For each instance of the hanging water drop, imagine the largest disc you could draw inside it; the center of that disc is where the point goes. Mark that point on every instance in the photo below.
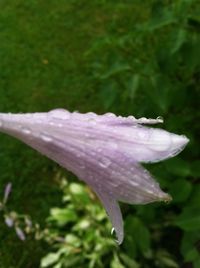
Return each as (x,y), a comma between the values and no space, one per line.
(113,233)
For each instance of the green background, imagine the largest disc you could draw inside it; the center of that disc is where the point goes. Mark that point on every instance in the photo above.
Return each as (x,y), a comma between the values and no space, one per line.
(138,58)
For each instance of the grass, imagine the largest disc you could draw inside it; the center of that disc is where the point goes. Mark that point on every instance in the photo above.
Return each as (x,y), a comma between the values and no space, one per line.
(45,63)
(43,66)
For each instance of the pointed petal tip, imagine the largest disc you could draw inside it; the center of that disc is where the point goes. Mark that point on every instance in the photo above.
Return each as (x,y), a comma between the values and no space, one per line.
(180,140)
(119,236)
(165,197)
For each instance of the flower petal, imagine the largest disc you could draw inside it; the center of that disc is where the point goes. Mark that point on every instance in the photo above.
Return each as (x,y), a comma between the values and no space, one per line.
(113,210)
(105,151)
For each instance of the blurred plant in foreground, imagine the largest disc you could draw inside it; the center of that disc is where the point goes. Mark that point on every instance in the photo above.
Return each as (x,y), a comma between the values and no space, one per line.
(77,234)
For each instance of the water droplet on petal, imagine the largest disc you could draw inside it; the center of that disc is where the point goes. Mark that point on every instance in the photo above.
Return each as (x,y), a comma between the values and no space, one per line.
(60,114)
(143,134)
(104,162)
(134,183)
(46,137)
(91,114)
(110,115)
(26,131)
(112,231)
(160,119)
(92,121)
(1,124)
(82,167)
(113,145)
(131,117)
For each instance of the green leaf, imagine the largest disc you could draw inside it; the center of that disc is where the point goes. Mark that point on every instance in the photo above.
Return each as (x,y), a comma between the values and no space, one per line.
(159,92)
(73,240)
(72,261)
(197,263)
(195,197)
(178,167)
(190,53)
(140,234)
(115,263)
(108,93)
(181,36)
(62,215)
(133,85)
(79,193)
(166,259)
(50,259)
(195,168)
(180,190)
(188,243)
(129,262)
(161,16)
(189,219)
(58,265)
(82,225)
(192,255)
(115,69)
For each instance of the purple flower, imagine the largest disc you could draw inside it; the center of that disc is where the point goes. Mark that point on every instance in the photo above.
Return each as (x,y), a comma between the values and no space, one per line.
(7,191)
(9,221)
(105,151)
(20,233)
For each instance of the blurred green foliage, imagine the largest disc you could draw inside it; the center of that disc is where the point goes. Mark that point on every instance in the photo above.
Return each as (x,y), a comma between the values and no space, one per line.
(127,57)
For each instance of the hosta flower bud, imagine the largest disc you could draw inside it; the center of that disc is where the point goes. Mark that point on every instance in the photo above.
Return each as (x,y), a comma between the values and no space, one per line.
(105,151)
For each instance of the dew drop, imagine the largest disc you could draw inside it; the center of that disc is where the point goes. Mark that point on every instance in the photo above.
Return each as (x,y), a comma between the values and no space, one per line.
(46,137)
(113,231)
(131,117)
(143,134)
(82,167)
(28,116)
(110,115)
(26,131)
(134,183)
(91,114)
(167,198)
(160,119)
(86,135)
(113,145)
(149,191)
(60,114)
(105,162)
(92,121)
